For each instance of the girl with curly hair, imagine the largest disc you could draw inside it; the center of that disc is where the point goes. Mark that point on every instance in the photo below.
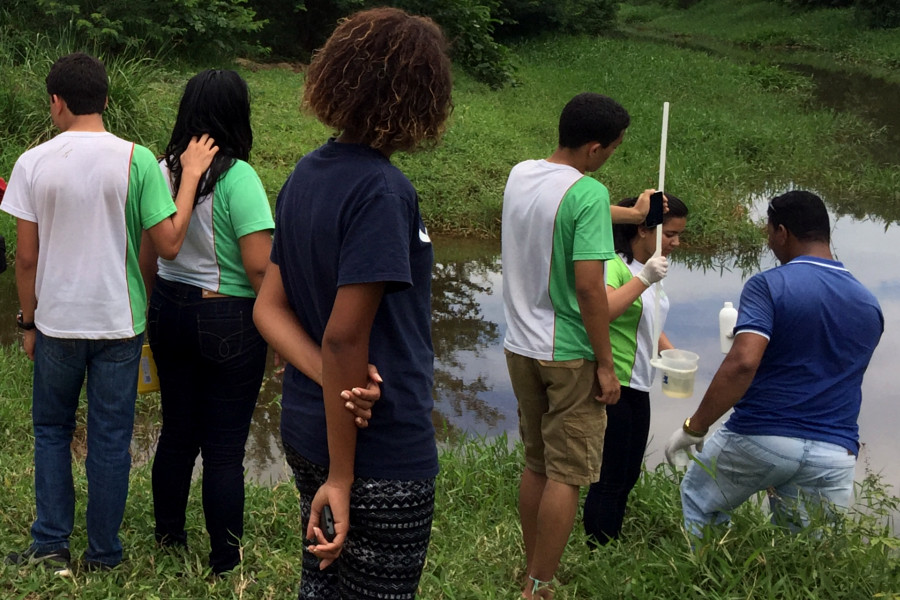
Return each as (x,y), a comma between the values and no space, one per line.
(351,266)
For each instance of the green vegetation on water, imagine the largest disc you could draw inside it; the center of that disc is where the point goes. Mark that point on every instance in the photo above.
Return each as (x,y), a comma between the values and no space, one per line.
(476,551)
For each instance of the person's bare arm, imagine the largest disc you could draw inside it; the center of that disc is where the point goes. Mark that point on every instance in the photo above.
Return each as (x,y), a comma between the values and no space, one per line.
(345,350)
(731,381)
(168,234)
(664,343)
(147,260)
(27,247)
(632,214)
(590,291)
(622,297)
(278,324)
(255,250)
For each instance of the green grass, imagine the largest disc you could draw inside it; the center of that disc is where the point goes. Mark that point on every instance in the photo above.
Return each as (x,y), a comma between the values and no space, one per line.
(475,551)
(736,129)
(827,37)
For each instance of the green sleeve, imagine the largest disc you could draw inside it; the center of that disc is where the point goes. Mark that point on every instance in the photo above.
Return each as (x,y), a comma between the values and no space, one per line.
(593,239)
(617,273)
(249,206)
(148,184)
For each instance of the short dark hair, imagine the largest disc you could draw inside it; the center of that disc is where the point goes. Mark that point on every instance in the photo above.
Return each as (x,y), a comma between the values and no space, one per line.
(590,117)
(803,214)
(216,102)
(623,233)
(80,80)
(385,76)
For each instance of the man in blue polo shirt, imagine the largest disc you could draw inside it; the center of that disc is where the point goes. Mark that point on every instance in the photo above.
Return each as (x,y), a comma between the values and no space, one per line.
(805,333)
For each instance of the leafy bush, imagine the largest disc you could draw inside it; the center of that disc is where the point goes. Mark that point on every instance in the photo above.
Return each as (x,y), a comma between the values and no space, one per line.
(294,29)
(468,24)
(197,27)
(818,3)
(878,14)
(526,18)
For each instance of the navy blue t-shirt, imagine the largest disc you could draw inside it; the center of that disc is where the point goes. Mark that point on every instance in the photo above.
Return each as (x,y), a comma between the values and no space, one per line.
(346,215)
(822,326)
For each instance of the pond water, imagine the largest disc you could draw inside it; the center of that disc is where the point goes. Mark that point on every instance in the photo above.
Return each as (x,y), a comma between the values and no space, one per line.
(472,392)
(473,395)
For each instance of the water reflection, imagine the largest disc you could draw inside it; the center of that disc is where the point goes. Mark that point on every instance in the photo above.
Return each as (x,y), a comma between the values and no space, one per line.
(462,336)
(472,392)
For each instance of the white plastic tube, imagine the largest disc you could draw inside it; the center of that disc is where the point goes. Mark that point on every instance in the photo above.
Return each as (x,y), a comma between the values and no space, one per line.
(657,330)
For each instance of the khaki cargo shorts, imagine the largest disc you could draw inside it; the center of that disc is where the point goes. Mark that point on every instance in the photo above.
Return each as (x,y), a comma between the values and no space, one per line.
(560,422)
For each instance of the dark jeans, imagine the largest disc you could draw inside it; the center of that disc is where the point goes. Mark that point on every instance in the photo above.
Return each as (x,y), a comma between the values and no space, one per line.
(210,359)
(627,427)
(60,366)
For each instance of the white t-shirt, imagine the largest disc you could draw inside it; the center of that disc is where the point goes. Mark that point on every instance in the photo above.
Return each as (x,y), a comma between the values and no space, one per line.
(91,194)
(553,215)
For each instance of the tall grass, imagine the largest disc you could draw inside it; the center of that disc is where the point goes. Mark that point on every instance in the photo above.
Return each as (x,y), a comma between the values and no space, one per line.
(475,551)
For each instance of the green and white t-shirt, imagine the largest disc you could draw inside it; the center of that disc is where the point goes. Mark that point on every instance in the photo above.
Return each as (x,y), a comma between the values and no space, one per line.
(631,335)
(553,215)
(91,195)
(210,257)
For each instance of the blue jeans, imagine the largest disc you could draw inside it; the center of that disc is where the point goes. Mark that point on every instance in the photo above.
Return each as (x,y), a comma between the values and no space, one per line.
(59,372)
(210,359)
(795,471)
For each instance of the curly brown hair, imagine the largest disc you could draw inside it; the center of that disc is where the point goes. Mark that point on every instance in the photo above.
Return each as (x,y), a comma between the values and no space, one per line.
(383,77)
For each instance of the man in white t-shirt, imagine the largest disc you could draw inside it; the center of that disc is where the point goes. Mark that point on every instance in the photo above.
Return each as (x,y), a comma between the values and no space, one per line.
(82,201)
(557,233)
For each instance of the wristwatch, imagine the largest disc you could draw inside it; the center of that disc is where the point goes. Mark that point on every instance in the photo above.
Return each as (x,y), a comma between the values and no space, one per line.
(693,432)
(22,324)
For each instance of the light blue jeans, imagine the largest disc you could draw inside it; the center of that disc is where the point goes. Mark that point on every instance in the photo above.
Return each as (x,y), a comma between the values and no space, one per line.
(794,470)
(60,366)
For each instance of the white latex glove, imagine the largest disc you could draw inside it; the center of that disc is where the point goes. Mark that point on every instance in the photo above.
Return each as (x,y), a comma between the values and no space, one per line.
(654,270)
(678,448)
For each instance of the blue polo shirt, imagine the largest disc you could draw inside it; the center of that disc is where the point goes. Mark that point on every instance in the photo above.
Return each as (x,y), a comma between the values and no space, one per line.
(822,326)
(346,215)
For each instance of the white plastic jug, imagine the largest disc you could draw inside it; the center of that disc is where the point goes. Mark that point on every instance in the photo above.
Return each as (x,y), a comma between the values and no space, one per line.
(727,320)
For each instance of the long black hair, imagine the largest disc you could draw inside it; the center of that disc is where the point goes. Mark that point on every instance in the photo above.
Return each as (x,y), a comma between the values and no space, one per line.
(623,233)
(216,102)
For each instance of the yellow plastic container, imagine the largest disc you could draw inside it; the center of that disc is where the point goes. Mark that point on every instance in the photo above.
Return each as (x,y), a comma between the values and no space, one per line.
(148,380)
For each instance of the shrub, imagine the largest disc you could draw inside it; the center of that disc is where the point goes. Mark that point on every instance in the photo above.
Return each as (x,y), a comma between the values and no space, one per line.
(196,27)
(294,29)
(878,14)
(818,3)
(526,18)
(468,25)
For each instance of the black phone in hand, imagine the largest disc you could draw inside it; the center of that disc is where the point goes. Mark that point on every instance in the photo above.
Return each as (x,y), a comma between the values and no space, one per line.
(327,523)
(655,214)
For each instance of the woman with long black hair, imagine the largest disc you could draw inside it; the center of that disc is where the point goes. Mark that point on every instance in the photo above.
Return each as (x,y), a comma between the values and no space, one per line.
(209,355)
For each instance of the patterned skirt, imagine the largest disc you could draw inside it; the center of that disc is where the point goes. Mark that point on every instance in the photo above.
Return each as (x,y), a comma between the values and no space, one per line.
(383,556)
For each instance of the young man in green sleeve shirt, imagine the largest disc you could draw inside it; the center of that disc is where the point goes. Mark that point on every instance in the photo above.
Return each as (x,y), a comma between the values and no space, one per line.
(81,201)
(556,235)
